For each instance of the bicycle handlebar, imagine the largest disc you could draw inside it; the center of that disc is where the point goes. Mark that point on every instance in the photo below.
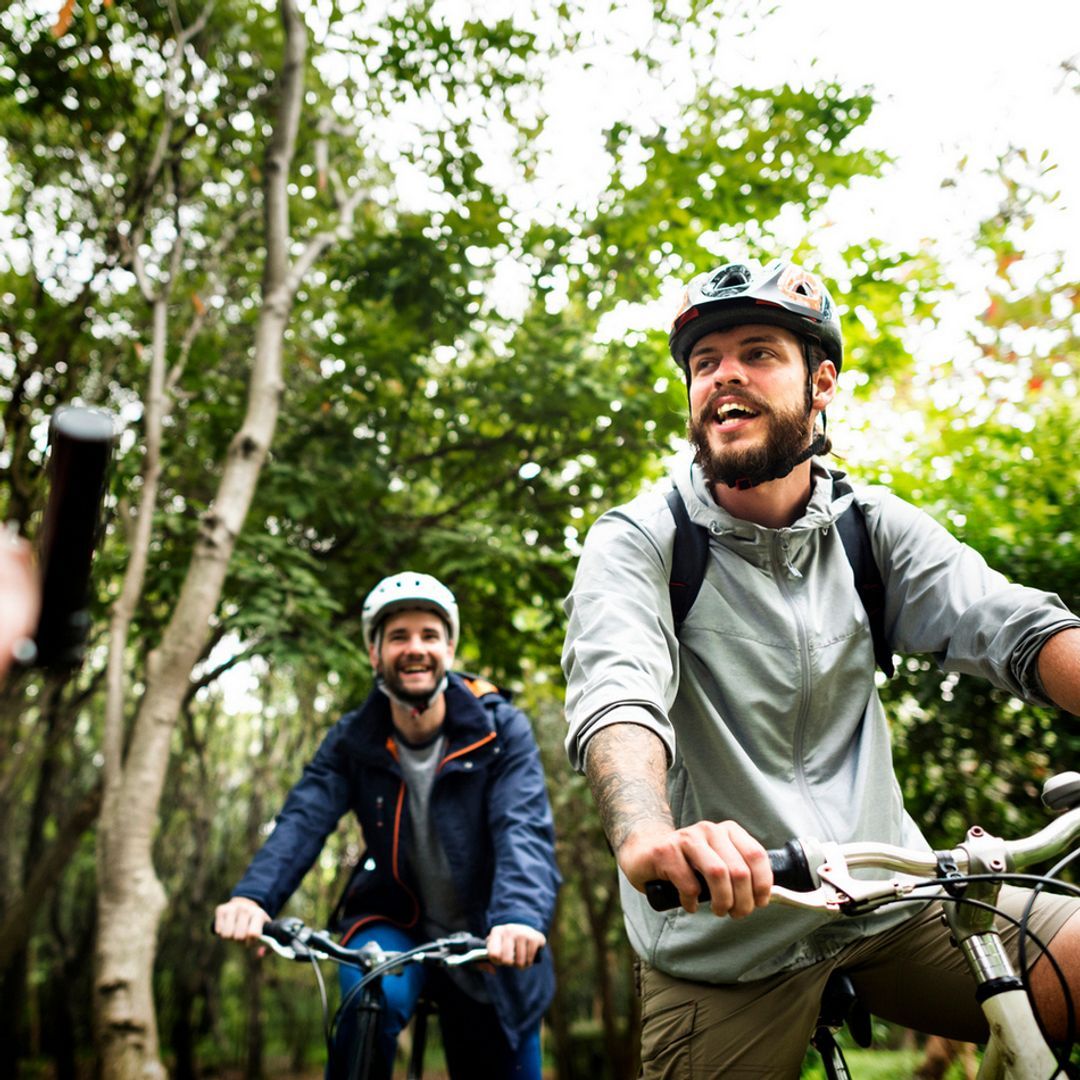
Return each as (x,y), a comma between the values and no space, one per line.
(291,939)
(81,446)
(812,875)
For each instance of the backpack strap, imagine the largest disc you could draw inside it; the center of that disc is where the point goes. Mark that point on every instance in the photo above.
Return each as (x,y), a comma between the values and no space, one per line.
(480,687)
(851,525)
(689,556)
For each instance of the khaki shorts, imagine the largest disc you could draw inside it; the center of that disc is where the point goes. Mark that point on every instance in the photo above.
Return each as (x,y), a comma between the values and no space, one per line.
(910,975)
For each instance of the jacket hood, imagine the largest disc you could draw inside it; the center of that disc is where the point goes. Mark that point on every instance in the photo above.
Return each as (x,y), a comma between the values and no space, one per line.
(756,542)
(467,717)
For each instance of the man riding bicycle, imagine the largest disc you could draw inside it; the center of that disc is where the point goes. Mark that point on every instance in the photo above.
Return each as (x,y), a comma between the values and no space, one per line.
(445,779)
(755,718)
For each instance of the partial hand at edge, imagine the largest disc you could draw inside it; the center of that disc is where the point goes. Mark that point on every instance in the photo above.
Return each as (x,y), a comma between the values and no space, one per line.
(20,595)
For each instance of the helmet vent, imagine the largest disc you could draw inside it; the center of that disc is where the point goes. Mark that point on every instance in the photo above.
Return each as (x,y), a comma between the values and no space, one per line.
(728,281)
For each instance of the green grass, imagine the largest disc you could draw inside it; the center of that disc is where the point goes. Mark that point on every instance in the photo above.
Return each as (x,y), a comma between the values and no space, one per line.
(876,1065)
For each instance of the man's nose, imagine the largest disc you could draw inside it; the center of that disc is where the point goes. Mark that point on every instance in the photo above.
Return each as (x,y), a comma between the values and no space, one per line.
(729,369)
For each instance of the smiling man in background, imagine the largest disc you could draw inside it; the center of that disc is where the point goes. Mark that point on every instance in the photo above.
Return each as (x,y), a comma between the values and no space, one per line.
(444,777)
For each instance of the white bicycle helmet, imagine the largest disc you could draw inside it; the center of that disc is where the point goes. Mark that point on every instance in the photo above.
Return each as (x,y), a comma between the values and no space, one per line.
(408,591)
(781,294)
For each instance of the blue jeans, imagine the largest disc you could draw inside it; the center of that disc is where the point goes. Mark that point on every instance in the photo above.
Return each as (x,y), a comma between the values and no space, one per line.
(472,1036)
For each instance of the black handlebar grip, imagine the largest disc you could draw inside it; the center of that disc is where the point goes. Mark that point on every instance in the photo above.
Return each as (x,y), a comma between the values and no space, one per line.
(285,931)
(80,449)
(663,896)
(789,866)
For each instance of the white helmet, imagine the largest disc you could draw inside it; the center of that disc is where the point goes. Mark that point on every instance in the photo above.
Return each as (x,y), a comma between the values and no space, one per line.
(408,591)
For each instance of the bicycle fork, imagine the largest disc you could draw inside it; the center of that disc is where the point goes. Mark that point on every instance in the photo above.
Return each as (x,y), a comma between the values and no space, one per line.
(1016,1047)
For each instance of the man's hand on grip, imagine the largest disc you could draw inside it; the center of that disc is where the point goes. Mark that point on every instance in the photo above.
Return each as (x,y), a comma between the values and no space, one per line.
(734,865)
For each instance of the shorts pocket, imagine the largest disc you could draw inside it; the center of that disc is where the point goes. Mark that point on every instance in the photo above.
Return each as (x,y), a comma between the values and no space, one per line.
(666,1041)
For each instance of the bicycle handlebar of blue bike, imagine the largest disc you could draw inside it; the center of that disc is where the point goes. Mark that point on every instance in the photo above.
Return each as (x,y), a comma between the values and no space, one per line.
(305,942)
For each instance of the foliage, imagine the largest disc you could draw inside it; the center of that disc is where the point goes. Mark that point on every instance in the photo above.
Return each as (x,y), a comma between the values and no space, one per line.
(994,461)
(428,421)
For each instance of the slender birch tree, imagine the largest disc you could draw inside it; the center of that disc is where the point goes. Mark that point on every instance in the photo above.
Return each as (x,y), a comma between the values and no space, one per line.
(131,899)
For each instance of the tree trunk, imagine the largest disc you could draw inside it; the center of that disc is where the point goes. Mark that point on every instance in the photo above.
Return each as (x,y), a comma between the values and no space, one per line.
(131,899)
(38,867)
(15,928)
(254,1066)
(558,1016)
(600,917)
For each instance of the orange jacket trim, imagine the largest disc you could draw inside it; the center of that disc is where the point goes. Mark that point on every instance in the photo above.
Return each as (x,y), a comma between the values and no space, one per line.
(468,749)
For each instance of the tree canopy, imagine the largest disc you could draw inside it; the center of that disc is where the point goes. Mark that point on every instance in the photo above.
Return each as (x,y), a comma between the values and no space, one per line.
(464,387)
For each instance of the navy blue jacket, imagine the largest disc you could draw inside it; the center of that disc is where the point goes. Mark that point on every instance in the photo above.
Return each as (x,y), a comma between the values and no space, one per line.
(488,803)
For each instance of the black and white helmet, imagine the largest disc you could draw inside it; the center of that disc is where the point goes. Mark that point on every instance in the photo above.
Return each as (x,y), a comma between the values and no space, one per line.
(409,591)
(781,294)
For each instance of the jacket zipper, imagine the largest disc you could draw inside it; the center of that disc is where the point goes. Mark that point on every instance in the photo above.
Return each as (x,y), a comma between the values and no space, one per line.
(779,562)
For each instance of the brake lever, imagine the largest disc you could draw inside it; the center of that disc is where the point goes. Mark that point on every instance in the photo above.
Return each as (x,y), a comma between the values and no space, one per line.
(840,892)
(289,952)
(857,896)
(472,956)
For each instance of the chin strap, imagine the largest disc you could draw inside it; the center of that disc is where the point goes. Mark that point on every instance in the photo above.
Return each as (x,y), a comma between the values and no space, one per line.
(778,472)
(414,707)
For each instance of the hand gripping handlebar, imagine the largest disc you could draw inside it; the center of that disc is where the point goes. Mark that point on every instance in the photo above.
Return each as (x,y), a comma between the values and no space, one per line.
(790,868)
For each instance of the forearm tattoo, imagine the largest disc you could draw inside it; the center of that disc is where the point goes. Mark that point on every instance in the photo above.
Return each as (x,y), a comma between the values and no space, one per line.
(626,767)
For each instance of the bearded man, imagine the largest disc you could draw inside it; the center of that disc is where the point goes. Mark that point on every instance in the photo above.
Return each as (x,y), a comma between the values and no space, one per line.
(753,717)
(444,777)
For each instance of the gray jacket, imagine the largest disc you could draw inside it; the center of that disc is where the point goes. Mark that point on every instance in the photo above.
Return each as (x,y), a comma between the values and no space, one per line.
(767,703)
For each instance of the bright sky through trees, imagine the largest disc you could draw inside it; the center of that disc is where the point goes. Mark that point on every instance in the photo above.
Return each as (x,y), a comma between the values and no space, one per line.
(956,82)
(957,85)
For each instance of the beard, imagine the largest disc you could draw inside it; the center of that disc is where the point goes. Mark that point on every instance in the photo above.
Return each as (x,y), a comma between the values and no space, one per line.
(415,699)
(788,434)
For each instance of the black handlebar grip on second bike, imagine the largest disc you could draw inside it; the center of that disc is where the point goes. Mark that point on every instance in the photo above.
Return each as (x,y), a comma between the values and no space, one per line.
(284,931)
(789,866)
(80,450)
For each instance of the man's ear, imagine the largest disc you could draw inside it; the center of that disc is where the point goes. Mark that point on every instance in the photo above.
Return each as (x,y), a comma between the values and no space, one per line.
(373,655)
(824,383)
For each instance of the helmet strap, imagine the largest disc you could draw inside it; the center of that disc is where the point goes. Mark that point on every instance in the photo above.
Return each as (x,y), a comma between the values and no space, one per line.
(413,707)
(744,483)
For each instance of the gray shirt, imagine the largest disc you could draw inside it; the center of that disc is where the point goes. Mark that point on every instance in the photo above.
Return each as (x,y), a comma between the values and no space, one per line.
(443,911)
